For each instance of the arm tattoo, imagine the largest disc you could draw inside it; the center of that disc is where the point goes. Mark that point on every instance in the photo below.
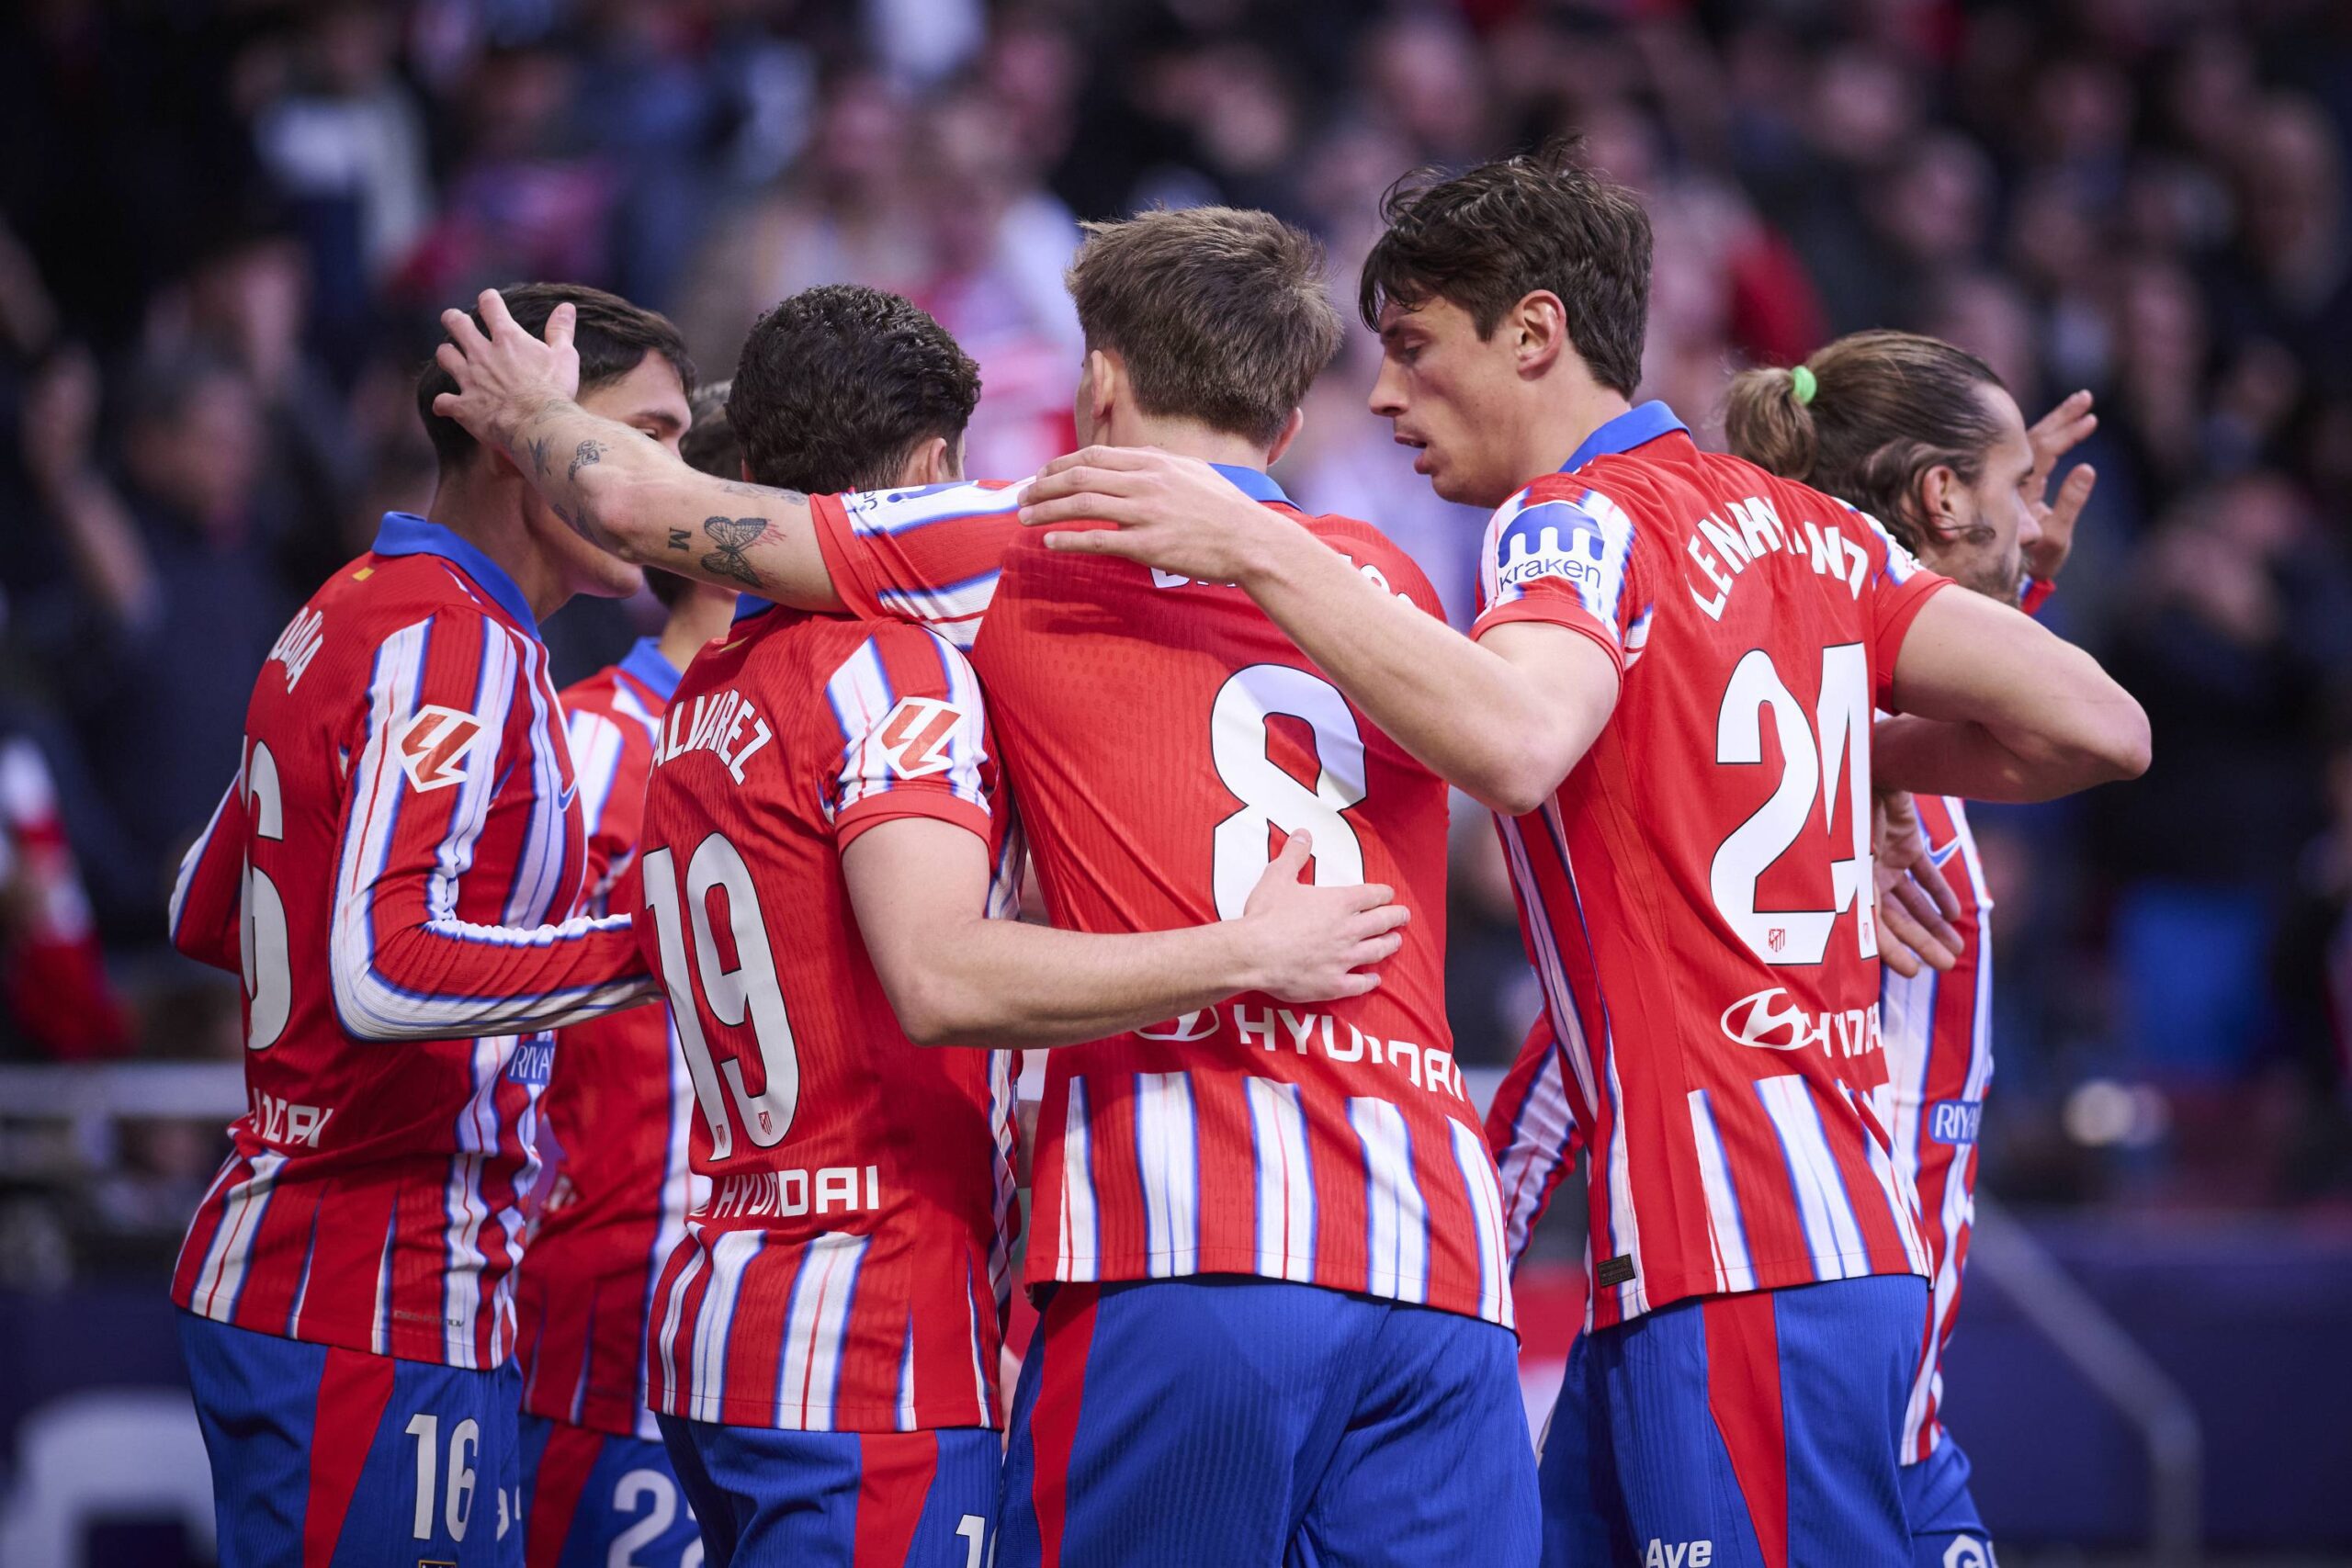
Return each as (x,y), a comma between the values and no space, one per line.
(539,454)
(588,452)
(733,535)
(767,492)
(678,537)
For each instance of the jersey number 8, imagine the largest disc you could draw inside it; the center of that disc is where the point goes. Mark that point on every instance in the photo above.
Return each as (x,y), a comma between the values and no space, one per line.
(1271,795)
(748,991)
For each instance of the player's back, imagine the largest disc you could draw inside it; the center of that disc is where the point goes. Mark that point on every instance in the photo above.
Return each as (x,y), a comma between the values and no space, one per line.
(842,1272)
(404,793)
(1699,892)
(617,1112)
(1165,738)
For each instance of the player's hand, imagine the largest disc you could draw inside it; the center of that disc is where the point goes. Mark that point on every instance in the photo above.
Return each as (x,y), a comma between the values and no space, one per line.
(506,375)
(2053,435)
(1311,943)
(1176,513)
(1916,903)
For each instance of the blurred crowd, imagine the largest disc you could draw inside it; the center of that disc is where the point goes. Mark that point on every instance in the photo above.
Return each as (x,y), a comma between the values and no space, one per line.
(226,229)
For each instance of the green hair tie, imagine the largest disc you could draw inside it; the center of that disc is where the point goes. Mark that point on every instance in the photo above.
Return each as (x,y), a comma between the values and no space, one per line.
(1802,383)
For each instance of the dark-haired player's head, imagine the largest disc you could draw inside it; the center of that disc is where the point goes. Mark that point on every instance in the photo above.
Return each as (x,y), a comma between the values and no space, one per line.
(849,388)
(633,369)
(1503,297)
(1918,433)
(1212,317)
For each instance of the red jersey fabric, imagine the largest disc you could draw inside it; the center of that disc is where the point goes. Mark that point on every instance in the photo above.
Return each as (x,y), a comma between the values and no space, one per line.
(844,1271)
(617,1112)
(1165,739)
(1697,897)
(395,869)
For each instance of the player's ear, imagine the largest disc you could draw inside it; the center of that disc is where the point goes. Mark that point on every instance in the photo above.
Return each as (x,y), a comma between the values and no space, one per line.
(932,461)
(1105,383)
(1939,501)
(1539,326)
(1291,427)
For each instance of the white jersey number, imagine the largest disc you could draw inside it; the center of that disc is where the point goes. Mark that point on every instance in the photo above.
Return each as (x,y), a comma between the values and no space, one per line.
(747,991)
(1810,771)
(1238,743)
(269,984)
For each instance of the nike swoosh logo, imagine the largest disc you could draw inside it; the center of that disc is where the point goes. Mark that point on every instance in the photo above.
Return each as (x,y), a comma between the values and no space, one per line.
(1937,855)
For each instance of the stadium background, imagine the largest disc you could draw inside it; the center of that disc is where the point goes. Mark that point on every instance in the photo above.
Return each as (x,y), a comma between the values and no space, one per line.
(225,229)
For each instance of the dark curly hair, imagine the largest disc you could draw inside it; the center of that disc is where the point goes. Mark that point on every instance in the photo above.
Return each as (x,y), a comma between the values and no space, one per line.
(838,384)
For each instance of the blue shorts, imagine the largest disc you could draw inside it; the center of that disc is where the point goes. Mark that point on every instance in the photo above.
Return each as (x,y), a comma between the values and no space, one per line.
(339,1459)
(1748,1432)
(850,1499)
(1946,1532)
(1222,1420)
(591,1499)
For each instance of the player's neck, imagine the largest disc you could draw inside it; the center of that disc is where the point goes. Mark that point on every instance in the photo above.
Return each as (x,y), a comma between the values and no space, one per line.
(1184,437)
(702,614)
(486,509)
(1566,421)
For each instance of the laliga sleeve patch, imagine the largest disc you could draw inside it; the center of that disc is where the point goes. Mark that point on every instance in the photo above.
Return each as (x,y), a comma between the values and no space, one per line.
(432,743)
(915,734)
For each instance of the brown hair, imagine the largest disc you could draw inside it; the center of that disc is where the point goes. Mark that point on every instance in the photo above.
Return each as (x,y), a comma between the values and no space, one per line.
(612,338)
(1886,407)
(1223,316)
(1488,238)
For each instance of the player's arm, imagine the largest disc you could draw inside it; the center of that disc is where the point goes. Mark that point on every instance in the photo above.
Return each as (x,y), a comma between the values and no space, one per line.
(424,766)
(617,490)
(1996,708)
(920,886)
(206,894)
(1504,718)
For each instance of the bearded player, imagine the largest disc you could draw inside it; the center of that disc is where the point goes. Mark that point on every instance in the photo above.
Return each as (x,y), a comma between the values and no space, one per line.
(1269,1246)
(1668,699)
(1924,435)
(616,1114)
(396,871)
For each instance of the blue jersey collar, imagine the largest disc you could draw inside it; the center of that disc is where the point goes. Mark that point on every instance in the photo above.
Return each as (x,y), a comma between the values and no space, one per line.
(647,664)
(1255,483)
(1636,425)
(406,534)
(750,604)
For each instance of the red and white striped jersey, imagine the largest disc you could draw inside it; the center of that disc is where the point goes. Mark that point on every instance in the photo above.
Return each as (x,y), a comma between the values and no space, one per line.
(1697,897)
(1165,738)
(1938,1030)
(406,804)
(616,1114)
(845,1270)
(1532,1127)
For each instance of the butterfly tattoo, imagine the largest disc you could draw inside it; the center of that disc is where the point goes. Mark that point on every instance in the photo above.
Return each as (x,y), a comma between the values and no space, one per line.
(733,536)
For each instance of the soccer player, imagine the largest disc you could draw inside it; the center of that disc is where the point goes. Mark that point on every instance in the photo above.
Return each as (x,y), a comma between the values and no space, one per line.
(395,870)
(1275,1312)
(596,1482)
(825,841)
(1924,436)
(1667,698)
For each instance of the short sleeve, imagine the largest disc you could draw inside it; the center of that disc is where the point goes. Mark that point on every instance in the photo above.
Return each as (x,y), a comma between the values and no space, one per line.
(1570,563)
(1898,588)
(913,737)
(930,554)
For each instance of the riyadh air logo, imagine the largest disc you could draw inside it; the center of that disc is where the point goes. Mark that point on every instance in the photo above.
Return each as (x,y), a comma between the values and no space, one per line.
(1183,1031)
(433,742)
(914,735)
(1767,1021)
